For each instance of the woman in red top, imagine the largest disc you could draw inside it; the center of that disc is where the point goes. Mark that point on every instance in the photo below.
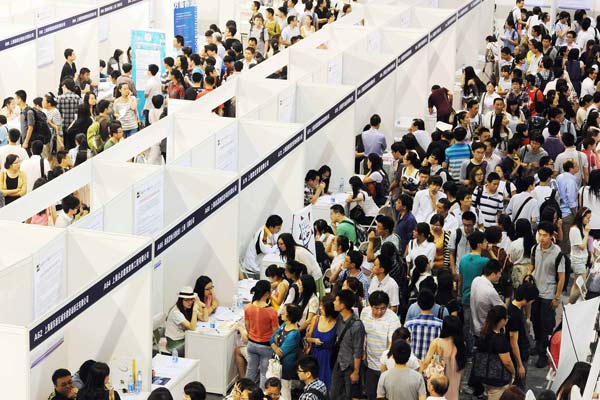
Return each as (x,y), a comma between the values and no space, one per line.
(176,89)
(261,323)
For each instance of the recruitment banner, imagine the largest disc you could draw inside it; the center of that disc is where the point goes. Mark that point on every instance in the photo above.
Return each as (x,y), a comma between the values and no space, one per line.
(302,228)
(185,17)
(147,47)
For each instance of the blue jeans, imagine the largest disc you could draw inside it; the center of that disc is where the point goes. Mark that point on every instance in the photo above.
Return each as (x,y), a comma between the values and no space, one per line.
(258,361)
(129,132)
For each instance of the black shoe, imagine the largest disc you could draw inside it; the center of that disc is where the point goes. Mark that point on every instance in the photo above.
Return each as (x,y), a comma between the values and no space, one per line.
(542,362)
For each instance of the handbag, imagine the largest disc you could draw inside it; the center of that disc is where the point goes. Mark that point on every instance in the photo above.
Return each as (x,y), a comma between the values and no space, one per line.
(488,369)
(274,368)
(357,213)
(436,366)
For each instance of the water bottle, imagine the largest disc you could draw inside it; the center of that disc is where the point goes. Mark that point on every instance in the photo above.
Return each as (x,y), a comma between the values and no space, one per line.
(138,384)
(234,304)
(212,324)
(130,384)
(174,356)
(341,186)
(240,302)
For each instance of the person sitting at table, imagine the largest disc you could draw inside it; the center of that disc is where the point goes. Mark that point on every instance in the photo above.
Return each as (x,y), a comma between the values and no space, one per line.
(181,317)
(279,285)
(97,384)
(290,250)
(261,322)
(362,206)
(313,187)
(64,388)
(263,242)
(325,174)
(208,301)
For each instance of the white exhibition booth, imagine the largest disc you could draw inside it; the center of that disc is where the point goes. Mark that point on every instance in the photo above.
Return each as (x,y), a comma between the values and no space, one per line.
(68,296)
(92,28)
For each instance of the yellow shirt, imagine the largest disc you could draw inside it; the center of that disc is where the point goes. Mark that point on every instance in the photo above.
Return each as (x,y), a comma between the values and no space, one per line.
(273,28)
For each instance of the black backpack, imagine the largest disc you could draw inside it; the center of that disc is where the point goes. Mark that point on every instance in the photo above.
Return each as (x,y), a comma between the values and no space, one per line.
(41,129)
(536,123)
(559,258)
(551,202)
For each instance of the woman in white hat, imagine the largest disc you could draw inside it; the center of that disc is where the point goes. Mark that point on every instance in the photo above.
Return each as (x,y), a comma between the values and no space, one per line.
(182,316)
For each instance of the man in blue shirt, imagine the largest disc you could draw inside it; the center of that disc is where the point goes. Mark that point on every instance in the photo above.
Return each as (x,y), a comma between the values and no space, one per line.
(373,140)
(567,190)
(406,220)
(3,131)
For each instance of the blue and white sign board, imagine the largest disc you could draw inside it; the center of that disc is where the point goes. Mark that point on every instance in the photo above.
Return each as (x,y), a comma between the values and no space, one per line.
(147,47)
(185,17)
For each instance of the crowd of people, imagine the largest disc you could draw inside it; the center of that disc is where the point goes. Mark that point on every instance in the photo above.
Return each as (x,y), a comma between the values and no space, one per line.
(56,131)
(455,260)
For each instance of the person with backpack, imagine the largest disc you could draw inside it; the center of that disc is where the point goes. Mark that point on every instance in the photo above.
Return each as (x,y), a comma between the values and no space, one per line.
(342,225)
(578,236)
(510,37)
(524,205)
(376,179)
(405,222)
(549,265)
(27,118)
(385,231)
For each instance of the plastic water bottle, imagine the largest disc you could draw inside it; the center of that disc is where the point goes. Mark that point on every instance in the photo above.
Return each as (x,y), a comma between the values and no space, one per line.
(341,186)
(240,302)
(174,356)
(212,324)
(130,384)
(234,303)
(138,383)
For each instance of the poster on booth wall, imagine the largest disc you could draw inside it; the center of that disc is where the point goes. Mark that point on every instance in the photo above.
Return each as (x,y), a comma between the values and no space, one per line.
(185,22)
(334,71)
(45,44)
(226,149)
(49,277)
(148,206)
(302,228)
(147,47)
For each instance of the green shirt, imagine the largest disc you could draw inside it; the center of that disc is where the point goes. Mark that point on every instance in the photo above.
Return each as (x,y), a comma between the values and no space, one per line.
(348,229)
(471,266)
(109,143)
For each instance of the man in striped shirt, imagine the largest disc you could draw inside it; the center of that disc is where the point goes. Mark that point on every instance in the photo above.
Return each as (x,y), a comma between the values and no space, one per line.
(488,201)
(425,327)
(380,323)
(457,153)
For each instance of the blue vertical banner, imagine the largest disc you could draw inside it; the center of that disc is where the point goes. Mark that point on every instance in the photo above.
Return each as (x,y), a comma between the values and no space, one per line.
(147,47)
(185,22)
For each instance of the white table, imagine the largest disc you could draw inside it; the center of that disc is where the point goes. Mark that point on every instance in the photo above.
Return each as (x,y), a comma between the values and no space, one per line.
(268,259)
(185,371)
(214,350)
(321,207)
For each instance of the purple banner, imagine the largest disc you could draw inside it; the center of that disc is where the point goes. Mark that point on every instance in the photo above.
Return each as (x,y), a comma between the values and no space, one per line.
(67,23)
(17,40)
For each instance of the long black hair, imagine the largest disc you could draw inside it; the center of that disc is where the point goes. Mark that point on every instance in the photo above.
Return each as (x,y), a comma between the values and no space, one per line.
(290,246)
(452,328)
(94,382)
(261,288)
(309,289)
(201,283)
(578,376)
(357,185)
(523,230)
(420,263)
(594,184)
(578,222)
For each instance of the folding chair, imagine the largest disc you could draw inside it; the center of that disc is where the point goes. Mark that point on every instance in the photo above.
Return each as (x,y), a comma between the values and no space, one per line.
(551,375)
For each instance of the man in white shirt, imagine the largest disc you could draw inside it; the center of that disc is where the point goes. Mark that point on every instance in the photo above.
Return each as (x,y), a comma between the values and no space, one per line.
(426,199)
(586,33)
(524,205)
(70,208)
(249,59)
(263,242)
(380,323)
(290,31)
(571,153)
(544,188)
(153,87)
(35,167)
(384,282)
(490,117)
(587,85)
(561,28)
(13,147)
(516,14)
(483,294)
(423,137)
